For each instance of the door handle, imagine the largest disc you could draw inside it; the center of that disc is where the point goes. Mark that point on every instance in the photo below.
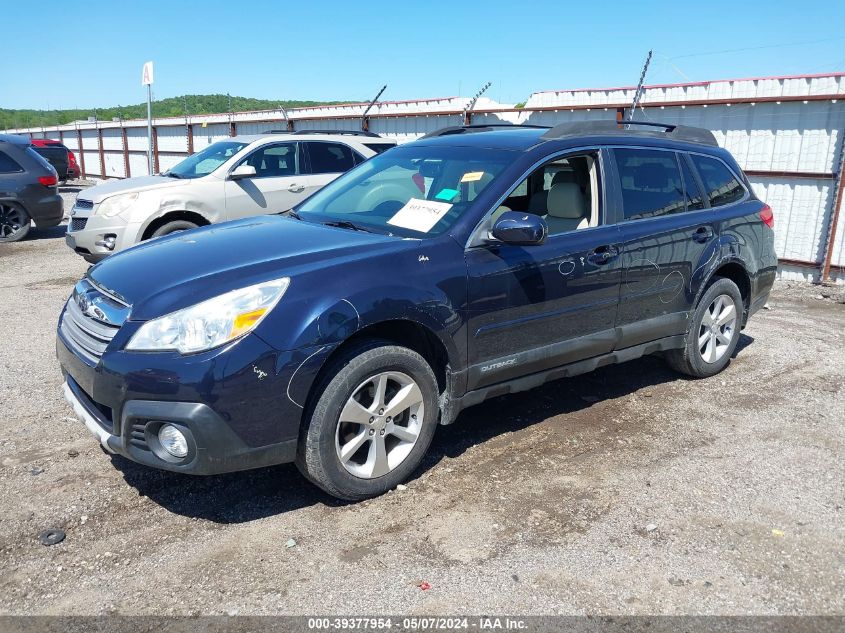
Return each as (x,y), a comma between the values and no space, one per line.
(295,188)
(602,255)
(702,234)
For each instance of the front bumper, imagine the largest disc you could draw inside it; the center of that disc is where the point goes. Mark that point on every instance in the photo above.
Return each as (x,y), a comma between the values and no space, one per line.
(240,405)
(213,446)
(91,235)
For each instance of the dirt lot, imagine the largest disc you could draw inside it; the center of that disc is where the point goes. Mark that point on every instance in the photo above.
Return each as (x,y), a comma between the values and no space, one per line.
(630,490)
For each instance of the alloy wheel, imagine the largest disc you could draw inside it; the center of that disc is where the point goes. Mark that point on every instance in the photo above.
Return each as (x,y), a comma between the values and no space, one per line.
(11,220)
(379,424)
(718,327)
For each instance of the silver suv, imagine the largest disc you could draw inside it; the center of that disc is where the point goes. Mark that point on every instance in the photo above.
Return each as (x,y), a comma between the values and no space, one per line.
(235,178)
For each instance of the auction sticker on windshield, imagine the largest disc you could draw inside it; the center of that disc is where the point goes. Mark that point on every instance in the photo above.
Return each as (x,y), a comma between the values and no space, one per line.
(420,215)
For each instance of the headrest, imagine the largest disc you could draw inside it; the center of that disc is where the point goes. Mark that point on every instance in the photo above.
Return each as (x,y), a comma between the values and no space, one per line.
(566,201)
(651,176)
(567,175)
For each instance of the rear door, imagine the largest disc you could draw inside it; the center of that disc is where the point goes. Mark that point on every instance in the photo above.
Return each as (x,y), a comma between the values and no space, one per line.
(533,308)
(278,184)
(668,236)
(326,160)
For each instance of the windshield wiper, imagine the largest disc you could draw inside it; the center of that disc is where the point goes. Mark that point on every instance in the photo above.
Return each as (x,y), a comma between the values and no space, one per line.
(290,213)
(171,174)
(346,224)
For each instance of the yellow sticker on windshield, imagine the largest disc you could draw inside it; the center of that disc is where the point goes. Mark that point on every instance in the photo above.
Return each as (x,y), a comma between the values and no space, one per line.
(472,176)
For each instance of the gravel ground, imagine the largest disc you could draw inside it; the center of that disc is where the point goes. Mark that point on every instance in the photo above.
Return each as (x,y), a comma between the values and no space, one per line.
(626,491)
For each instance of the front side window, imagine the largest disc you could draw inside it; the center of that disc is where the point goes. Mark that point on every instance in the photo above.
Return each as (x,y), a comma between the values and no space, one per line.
(330,158)
(651,183)
(8,165)
(205,161)
(720,183)
(564,192)
(408,191)
(273,161)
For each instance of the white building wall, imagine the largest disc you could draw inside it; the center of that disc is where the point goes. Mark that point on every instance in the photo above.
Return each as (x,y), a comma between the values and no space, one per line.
(764,133)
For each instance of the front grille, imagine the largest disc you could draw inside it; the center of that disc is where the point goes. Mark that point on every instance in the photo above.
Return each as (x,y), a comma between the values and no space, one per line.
(84,204)
(90,332)
(78,224)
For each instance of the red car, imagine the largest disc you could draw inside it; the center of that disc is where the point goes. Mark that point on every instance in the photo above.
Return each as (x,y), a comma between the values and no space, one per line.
(73,170)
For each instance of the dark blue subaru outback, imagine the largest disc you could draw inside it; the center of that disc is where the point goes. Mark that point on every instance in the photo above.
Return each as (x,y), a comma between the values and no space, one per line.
(475,262)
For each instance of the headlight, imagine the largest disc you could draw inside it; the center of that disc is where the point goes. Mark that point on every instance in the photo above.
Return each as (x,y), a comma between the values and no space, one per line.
(114,205)
(210,323)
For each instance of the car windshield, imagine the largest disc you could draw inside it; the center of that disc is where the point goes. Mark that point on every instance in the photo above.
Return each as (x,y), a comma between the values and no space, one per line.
(409,191)
(205,161)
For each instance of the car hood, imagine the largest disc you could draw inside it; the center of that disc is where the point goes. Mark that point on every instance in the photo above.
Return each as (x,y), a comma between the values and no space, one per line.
(128,185)
(170,273)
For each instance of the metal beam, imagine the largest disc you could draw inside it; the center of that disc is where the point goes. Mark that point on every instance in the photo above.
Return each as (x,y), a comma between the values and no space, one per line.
(834,220)
(365,121)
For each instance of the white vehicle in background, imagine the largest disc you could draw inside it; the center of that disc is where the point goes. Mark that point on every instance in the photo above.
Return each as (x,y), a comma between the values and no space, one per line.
(235,178)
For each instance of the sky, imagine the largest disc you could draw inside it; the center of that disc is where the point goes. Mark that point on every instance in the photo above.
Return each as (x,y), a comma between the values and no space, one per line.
(90,53)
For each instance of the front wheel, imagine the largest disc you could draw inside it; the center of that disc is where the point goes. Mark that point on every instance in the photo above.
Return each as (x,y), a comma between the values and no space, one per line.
(372,422)
(173,227)
(713,334)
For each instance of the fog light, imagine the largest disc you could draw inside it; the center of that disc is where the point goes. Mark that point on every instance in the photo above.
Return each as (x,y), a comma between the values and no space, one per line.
(107,242)
(173,441)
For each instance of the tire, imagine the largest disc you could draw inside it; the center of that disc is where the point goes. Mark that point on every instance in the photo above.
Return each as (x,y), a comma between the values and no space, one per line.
(379,451)
(173,227)
(709,346)
(14,223)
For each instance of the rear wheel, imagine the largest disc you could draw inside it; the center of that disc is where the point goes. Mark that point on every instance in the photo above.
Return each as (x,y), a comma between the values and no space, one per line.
(371,423)
(713,334)
(173,227)
(14,223)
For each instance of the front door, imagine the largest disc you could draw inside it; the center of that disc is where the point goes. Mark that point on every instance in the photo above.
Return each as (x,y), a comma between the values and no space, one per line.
(278,184)
(533,308)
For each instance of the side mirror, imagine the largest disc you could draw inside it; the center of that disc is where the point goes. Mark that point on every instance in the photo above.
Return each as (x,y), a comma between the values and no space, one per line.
(242,171)
(521,229)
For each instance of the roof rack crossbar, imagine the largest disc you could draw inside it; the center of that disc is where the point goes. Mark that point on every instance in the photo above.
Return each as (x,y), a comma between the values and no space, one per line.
(675,132)
(479,127)
(340,132)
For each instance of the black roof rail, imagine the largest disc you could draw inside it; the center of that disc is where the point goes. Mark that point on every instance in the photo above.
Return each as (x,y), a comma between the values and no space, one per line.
(481,127)
(667,130)
(341,132)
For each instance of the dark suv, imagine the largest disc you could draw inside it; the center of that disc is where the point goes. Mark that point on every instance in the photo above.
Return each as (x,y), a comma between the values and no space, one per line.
(475,262)
(28,189)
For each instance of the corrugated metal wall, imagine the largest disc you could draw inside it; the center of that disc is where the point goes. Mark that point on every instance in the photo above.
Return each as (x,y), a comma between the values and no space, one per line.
(786,133)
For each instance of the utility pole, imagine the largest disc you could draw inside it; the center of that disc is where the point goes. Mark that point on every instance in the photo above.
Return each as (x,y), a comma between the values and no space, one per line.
(639,92)
(147,80)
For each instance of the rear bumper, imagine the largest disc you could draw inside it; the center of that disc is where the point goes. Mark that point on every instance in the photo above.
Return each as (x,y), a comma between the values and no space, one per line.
(45,211)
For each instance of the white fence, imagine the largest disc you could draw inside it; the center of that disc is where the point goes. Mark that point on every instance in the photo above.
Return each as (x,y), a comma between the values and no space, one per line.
(786,132)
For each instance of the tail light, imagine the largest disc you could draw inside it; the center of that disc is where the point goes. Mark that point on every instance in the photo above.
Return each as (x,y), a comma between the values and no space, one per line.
(767,216)
(48,181)
(71,159)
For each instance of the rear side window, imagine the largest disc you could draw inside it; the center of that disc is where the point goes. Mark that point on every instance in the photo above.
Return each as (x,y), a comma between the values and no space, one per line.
(330,158)
(651,183)
(695,199)
(378,148)
(8,165)
(720,183)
